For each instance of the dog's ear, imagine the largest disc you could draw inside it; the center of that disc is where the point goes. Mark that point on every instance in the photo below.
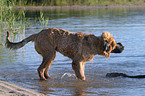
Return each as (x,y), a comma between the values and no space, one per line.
(106,35)
(106,47)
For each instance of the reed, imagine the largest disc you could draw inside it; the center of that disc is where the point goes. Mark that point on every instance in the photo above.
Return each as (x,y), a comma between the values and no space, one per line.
(14,22)
(10,21)
(42,20)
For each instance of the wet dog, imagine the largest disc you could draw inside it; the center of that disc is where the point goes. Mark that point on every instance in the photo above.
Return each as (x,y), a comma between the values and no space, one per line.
(80,47)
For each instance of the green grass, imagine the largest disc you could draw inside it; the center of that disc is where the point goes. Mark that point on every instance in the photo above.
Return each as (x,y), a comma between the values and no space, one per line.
(76,2)
(14,22)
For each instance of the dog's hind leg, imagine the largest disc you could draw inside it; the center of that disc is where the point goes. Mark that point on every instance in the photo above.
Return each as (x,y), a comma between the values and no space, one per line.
(48,66)
(78,67)
(45,65)
(46,75)
(83,64)
(41,69)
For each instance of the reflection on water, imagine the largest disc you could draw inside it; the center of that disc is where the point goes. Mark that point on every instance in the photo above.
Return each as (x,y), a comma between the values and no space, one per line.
(67,74)
(126,25)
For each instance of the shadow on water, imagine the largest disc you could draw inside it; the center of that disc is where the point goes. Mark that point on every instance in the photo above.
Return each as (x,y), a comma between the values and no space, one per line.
(126,25)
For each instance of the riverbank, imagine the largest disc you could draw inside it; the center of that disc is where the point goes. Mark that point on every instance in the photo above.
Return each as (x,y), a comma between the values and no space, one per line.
(9,89)
(76,2)
(74,7)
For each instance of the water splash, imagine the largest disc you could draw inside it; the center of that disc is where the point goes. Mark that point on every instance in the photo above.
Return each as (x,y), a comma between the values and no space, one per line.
(67,74)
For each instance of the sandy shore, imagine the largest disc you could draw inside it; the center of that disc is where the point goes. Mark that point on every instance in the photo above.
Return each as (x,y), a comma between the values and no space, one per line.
(9,89)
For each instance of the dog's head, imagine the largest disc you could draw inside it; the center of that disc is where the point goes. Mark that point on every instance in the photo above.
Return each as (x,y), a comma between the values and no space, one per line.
(118,49)
(109,43)
(110,46)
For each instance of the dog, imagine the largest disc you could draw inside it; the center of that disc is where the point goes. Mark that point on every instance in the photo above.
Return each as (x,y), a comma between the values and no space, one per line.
(80,47)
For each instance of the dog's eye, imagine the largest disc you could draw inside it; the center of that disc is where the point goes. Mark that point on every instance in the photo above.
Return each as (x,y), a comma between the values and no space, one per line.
(106,46)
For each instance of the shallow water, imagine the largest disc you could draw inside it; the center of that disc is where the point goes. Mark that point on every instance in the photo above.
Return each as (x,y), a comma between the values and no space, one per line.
(127,27)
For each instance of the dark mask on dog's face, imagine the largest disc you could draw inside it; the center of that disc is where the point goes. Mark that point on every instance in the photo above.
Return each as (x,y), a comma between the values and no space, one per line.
(106,47)
(118,49)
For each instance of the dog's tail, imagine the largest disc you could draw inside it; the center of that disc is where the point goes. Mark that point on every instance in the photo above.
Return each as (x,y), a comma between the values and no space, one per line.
(17,45)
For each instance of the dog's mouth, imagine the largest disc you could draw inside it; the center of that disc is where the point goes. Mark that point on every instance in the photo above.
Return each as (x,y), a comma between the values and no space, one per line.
(106,54)
(118,49)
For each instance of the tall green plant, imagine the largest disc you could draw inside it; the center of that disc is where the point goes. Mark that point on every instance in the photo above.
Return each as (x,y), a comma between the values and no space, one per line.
(76,2)
(9,21)
(43,21)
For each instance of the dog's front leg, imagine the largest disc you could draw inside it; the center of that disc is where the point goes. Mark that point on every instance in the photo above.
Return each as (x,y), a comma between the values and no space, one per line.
(78,67)
(41,70)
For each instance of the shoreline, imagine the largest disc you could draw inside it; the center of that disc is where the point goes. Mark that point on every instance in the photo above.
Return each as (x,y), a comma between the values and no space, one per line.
(9,89)
(75,7)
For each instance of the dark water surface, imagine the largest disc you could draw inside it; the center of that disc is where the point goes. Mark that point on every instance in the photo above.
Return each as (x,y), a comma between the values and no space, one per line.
(127,27)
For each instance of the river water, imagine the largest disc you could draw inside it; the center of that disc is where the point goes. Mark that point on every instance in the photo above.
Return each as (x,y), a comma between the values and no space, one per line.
(127,25)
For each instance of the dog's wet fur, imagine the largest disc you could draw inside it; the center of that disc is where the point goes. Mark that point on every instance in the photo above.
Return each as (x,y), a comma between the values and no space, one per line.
(80,47)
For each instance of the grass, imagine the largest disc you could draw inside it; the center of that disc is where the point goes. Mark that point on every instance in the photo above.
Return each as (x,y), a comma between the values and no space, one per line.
(15,23)
(43,21)
(76,2)
(11,21)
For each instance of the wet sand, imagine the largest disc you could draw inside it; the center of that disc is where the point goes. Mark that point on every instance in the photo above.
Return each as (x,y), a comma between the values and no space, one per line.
(9,89)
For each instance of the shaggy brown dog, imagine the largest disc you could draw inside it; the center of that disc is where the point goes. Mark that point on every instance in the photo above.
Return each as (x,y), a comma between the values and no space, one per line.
(80,47)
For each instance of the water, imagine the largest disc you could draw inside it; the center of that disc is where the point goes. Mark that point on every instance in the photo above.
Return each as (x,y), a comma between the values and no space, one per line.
(127,27)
